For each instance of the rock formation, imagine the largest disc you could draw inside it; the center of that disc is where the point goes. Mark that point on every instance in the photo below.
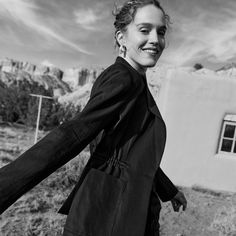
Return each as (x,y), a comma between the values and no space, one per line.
(50,77)
(80,76)
(74,84)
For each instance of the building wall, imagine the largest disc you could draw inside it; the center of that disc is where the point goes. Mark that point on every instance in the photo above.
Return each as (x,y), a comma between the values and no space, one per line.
(193,107)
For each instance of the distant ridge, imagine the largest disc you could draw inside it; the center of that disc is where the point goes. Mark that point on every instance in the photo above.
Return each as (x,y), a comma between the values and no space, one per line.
(62,82)
(73,85)
(49,77)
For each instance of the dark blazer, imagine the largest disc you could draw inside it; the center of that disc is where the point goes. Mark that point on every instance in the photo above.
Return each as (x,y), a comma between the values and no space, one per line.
(113,194)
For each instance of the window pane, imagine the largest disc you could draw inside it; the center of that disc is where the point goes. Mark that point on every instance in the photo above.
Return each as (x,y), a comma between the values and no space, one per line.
(226,145)
(229,131)
(235,147)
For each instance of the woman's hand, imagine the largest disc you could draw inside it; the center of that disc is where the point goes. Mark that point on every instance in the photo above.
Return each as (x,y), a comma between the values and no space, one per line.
(179,200)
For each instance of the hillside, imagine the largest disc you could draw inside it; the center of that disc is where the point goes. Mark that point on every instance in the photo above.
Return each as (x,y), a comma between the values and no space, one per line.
(47,77)
(70,88)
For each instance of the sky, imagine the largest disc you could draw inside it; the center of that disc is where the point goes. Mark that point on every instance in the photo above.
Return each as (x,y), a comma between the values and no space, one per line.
(76,33)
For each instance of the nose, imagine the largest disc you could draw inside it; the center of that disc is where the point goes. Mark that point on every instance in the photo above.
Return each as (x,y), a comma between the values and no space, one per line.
(154,38)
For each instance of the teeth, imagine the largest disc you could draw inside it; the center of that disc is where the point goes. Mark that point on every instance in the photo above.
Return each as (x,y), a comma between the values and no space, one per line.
(150,51)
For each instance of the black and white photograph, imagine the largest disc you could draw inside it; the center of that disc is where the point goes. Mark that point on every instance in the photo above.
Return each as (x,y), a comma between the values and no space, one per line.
(117,118)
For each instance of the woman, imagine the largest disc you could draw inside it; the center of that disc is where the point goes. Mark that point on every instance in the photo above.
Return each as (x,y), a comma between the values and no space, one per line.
(118,192)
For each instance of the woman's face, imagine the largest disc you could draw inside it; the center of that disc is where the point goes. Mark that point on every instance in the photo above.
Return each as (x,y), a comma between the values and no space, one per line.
(144,38)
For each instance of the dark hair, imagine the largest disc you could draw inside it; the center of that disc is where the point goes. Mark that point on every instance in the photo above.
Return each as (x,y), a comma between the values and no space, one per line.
(125,14)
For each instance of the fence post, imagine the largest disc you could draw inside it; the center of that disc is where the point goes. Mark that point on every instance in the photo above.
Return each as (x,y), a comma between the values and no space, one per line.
(39,112)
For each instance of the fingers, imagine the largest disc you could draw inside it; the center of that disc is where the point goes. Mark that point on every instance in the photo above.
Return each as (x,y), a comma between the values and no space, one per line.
(175,205)
(184,205)
(178,201)
(177,208)
(183,202)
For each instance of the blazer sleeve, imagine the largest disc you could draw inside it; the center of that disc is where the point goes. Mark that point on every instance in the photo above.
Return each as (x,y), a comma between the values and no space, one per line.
(165,189)
(110,93)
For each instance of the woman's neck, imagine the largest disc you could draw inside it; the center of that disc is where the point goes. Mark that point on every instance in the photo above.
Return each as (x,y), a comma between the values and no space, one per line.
(140,70)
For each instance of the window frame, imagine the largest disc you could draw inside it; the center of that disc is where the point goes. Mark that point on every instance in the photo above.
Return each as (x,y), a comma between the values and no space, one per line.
(228,121)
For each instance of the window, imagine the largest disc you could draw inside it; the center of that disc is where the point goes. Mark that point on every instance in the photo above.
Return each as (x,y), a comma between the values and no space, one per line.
(228,135)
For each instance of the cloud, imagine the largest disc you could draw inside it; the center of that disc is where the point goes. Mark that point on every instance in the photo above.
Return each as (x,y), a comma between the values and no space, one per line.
(86,17)
(47,63)
(89,18)
(25,12)
(207,35)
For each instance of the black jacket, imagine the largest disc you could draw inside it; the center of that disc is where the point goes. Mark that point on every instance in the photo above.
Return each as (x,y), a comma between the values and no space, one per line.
(115,187)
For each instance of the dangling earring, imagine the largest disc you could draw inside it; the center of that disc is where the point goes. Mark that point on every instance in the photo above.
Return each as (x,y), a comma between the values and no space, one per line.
(123,50)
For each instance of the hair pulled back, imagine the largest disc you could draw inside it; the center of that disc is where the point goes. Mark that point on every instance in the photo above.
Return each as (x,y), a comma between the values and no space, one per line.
(125,14)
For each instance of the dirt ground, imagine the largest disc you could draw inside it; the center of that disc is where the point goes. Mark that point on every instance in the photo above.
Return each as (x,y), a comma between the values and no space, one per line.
(209,213)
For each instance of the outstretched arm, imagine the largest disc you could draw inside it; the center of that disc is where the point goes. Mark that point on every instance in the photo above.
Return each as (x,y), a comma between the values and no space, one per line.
(109,94)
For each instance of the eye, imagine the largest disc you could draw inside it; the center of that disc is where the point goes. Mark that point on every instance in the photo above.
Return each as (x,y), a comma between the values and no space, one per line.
(162,32)
(144,30)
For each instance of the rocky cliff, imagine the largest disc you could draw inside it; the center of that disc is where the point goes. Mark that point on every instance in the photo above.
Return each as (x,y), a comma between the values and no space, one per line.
(49,77)
(62,82)
(73,85)
(79,76)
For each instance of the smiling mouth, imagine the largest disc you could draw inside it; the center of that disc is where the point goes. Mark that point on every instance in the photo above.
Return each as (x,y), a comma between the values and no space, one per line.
(151,51)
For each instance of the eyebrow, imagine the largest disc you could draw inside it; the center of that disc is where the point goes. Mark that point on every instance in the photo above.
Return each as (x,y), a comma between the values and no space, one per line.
(148,25)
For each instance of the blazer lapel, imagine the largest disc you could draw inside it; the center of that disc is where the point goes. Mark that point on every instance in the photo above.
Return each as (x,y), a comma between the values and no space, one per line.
(151,102)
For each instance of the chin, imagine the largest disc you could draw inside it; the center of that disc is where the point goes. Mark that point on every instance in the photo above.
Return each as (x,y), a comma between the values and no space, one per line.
(150,63)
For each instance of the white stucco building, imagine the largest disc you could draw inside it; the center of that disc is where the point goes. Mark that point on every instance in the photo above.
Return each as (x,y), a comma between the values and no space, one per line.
(200,113)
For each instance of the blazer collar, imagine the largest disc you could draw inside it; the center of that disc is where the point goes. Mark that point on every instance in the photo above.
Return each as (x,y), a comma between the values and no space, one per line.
(150,100)
(152,104)
(126,64)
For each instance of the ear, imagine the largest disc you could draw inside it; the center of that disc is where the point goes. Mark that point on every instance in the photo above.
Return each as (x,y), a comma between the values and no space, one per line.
(120,37)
